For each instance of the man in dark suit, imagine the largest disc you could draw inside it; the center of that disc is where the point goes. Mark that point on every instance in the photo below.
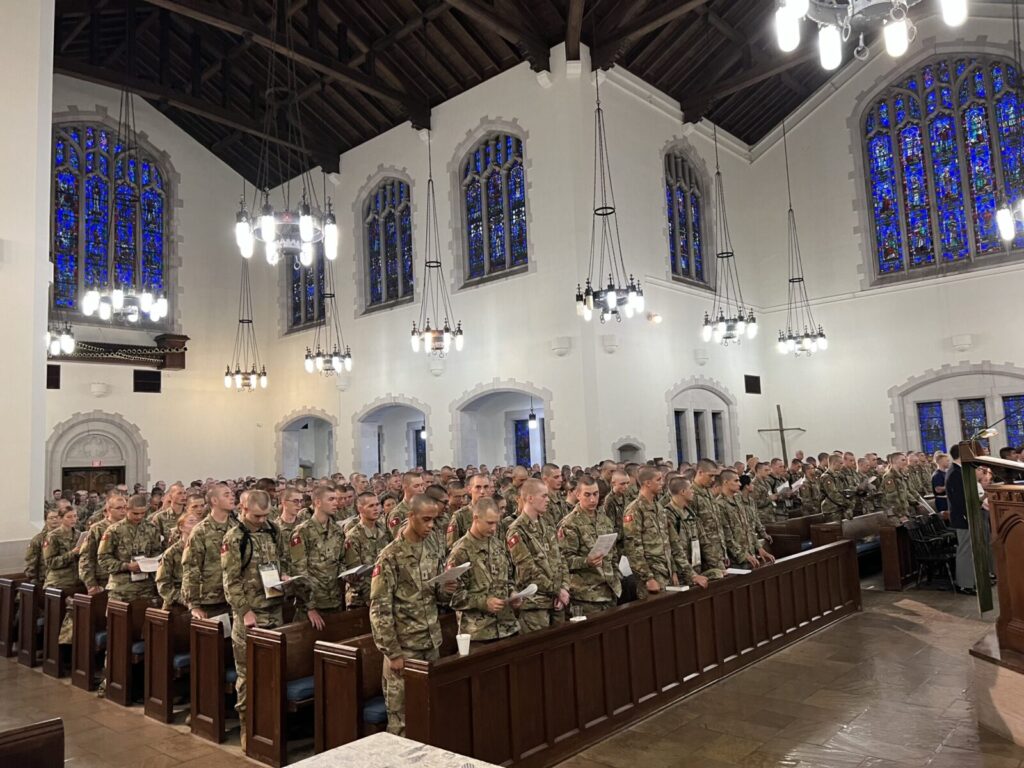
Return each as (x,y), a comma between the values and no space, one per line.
(965,583)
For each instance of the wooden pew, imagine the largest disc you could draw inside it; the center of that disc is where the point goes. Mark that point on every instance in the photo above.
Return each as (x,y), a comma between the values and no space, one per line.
(125,648)
(792,536)
(347,687)
(281,678)
(212,678)
(30,623)
(534,700)
(55,658)
(39,745)
(89,639)
(897,558)
(9,613)
(167,660)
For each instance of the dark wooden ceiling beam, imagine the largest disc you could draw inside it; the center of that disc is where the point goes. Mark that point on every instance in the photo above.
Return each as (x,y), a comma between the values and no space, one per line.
(122,47)
(607,53)
(240,24)
(536,50)
(80,26)
(573,29)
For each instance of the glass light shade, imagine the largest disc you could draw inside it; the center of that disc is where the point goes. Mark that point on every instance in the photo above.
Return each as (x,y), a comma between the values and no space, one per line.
(238,379)
(897,37)
(227,381)
(90,302)
(460,341)
(133,314)
(308,364)
(117,299)
(145,301)
(533,421)
(813,346)
(263,381)
(336,363)
(791,344)
(54,346)
(423,434)
(589,300)
(798,8)
(610,299)
(87,308)
(588,313)
(67,343)
(252,380)
(273,253)
(752,329)
(822,342)
(306,254)
(954,12)
(741,326)
(722,327)
(640,302)
(705,332)
(268,228)
(787,29)
(104,309)
(580,306)
(415,341)
(306,227)
(631,296)
(717,336)
(319,362)
(628,310)
(331,240)
(243,238)
(781,347)
(161,305)
(348,362)
(830,47)
(426,338)
(805,342)
(1004,221)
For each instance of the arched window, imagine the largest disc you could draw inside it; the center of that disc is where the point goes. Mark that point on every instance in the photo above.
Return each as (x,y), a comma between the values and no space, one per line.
(941,143)
(387,227)
(91,184)
(684,205)
(306,290)
(494,207)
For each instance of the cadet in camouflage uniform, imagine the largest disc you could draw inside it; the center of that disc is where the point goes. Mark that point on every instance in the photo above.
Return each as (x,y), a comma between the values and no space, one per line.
(346,502)
(615,504)
(403,607)
(595,584)
(551,476)
(919,479)
(122,542)
(836,502)
(482,592)
(533,547)
(519,476)
(810,491)
(317,551)
(35,565)
(704,507)
(89,571)
(412,485)
(166,520)
(363,543)
(762,494)
(479,487)
(290,514)
(694,542)
(741,531)
(60,554)
(202,585)
(169,572)
(249,548)
(896,499)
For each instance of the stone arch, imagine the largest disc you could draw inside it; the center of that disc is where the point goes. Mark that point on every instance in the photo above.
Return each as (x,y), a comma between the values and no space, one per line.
(497,386)
(291,418)
(626,442)
(946,384)
(384,402)
(84,434)
(715,387)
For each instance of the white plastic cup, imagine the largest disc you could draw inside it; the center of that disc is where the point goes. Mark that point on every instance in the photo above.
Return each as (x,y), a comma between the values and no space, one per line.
(463,643)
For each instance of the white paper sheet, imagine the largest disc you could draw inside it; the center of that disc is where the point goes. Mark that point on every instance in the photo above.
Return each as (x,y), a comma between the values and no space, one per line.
(356,571)
(147,564)
(603,545)
(624,568)
(450,575)
(683,588)
(737,572)
(530,591)
(81,539)
(224,620)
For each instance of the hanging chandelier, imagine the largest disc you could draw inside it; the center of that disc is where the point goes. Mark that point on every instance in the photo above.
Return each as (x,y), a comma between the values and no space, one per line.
(246,371)
(730,319)
(605,243)
(118,300)
(332,355)
(798,309)
(837,22)
(293,229)
(60,338)
(434,340)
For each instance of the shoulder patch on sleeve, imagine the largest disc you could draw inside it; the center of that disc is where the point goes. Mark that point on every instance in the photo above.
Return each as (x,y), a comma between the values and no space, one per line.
(224,548)
(513,541)
(561,533)
(452,527)
(376,571)
(628,518)
(296,540)
(393,522)
(105,537)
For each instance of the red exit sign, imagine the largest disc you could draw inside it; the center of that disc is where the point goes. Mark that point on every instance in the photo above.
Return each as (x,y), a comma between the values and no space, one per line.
(97,463)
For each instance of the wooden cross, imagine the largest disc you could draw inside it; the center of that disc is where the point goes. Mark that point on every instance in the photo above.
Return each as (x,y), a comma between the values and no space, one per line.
(782,429)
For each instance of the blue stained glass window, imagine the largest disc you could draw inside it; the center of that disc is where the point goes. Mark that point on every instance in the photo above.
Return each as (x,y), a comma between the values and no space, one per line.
(65,240)
(388,236)
(947,98)
(682,195)
(944,71)
(391,255)
(931,102)
(698,243)
(915,108)
(682,215)
(1013,409)
(405,226)
(1008,121)
(901,110)
(952,220)
(152,241)
(522,441)
(973,418)
(883,114)
(421,451)
(997,77)
(671,207)
(918,214)
(869,123)
(883,194)
(979,83)
(982,179)
(296,286)
(310,282)
(124,228)
(929,77)
(373,248)
(931,427)
(494,206)
(97,216)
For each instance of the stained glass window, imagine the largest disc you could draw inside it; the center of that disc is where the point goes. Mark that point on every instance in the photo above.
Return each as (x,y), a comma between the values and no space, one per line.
(522,442)
(684,206)
(494,207)
(973,418)
(934,168)
(931,427)
(387,229)
(421,449)
(1013,409)
(305,290)
(95,184)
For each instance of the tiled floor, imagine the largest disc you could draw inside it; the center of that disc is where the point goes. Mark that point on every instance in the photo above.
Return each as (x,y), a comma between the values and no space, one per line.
(884,689)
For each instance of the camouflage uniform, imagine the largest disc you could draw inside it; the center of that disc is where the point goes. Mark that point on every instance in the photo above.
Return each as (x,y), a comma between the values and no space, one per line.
(89,570)
(120,544)
(558,509)
(512,502)
(695,543)
(760,495)
(202,585)
(459,525)
(614,507)
(403,616)
(35,565)
(741,540)
(398,515)
(715,554)
(835,502)
(810,496)
(288,529)
(168,575)
(593,589)
(362,548)
(166,521)
(489,575)
(652,546)
(242,552)
(317,552)
(895,496)
(62,571)
(533,548)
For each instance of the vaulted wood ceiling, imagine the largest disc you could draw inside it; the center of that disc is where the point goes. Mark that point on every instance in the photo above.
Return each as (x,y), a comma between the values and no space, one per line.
(362,67)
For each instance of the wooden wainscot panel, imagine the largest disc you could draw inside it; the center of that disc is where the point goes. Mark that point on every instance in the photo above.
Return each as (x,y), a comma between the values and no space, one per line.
(89,639)
(535,700)
(125,648)
(212,678)
(30,613)
(55,658)
(167,662)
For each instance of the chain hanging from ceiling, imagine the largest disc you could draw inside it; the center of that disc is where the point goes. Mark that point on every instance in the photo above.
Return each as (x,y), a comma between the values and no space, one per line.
(245,371)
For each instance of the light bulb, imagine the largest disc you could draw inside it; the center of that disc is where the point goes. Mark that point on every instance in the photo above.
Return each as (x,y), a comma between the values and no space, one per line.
(306,254)
(133,314)
(319,362)
(532,421)
(787,29)
(813,346)
(67,343)
(790,344)
(1004,221)
(273,253)
(90,302)
(415,341)
(423,434)
(610,299)
(330,238)
(631,296)
(580,306)
(741,326)
(348,361)
(805,342)
(628,310)
(117,299)
(264,381)
(104,309)
(588,314)
(161,305)
(722,327)
(238,379)
(87,308)
(336,363)
(830,47)
(705,332)
(640,302)
(446,342)
(268,225)
(822,342)
(460,341)
(54,346)
(306,227)
(243,238)
(954,12)
(752,329)
(781,347)
(308,364)
(252,380)
(589,300)
(145,301)
(227,381)
(897,37)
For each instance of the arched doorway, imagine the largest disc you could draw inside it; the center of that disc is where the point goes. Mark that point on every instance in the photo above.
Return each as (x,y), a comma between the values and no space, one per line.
(392,435)
(307,447)
(702,422)
(493,427)
(627,450)
(92,450)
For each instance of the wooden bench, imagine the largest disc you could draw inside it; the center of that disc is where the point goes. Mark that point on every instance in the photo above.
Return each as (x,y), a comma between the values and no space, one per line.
(347,687)
(537,699)
(55,659)
(167,661)
(40,745)
(89,639)
(792,536)
(125,648)
(280,682)
(30,623)
(892,542)
(211,680)
(9,613)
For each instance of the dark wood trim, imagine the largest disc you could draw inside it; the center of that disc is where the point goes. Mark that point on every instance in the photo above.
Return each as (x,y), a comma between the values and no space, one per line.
(30,609)
(9,613)
(207,688)
(39,745)
(166,634)
(89,614)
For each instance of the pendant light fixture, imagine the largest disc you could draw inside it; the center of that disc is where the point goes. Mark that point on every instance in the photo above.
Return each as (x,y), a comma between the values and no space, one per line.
(531,421)
(798,310)
(332,355)
(246,371)
(60,338)
(731,319)
(439,339)
(619,296)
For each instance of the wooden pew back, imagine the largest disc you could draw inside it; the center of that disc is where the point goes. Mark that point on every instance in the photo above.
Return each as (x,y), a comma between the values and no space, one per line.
(54,606)
(89,614)
(211,657)
(8,612)
(124,629)
(166,634)
(30,608)
(40,745)
(788,536)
